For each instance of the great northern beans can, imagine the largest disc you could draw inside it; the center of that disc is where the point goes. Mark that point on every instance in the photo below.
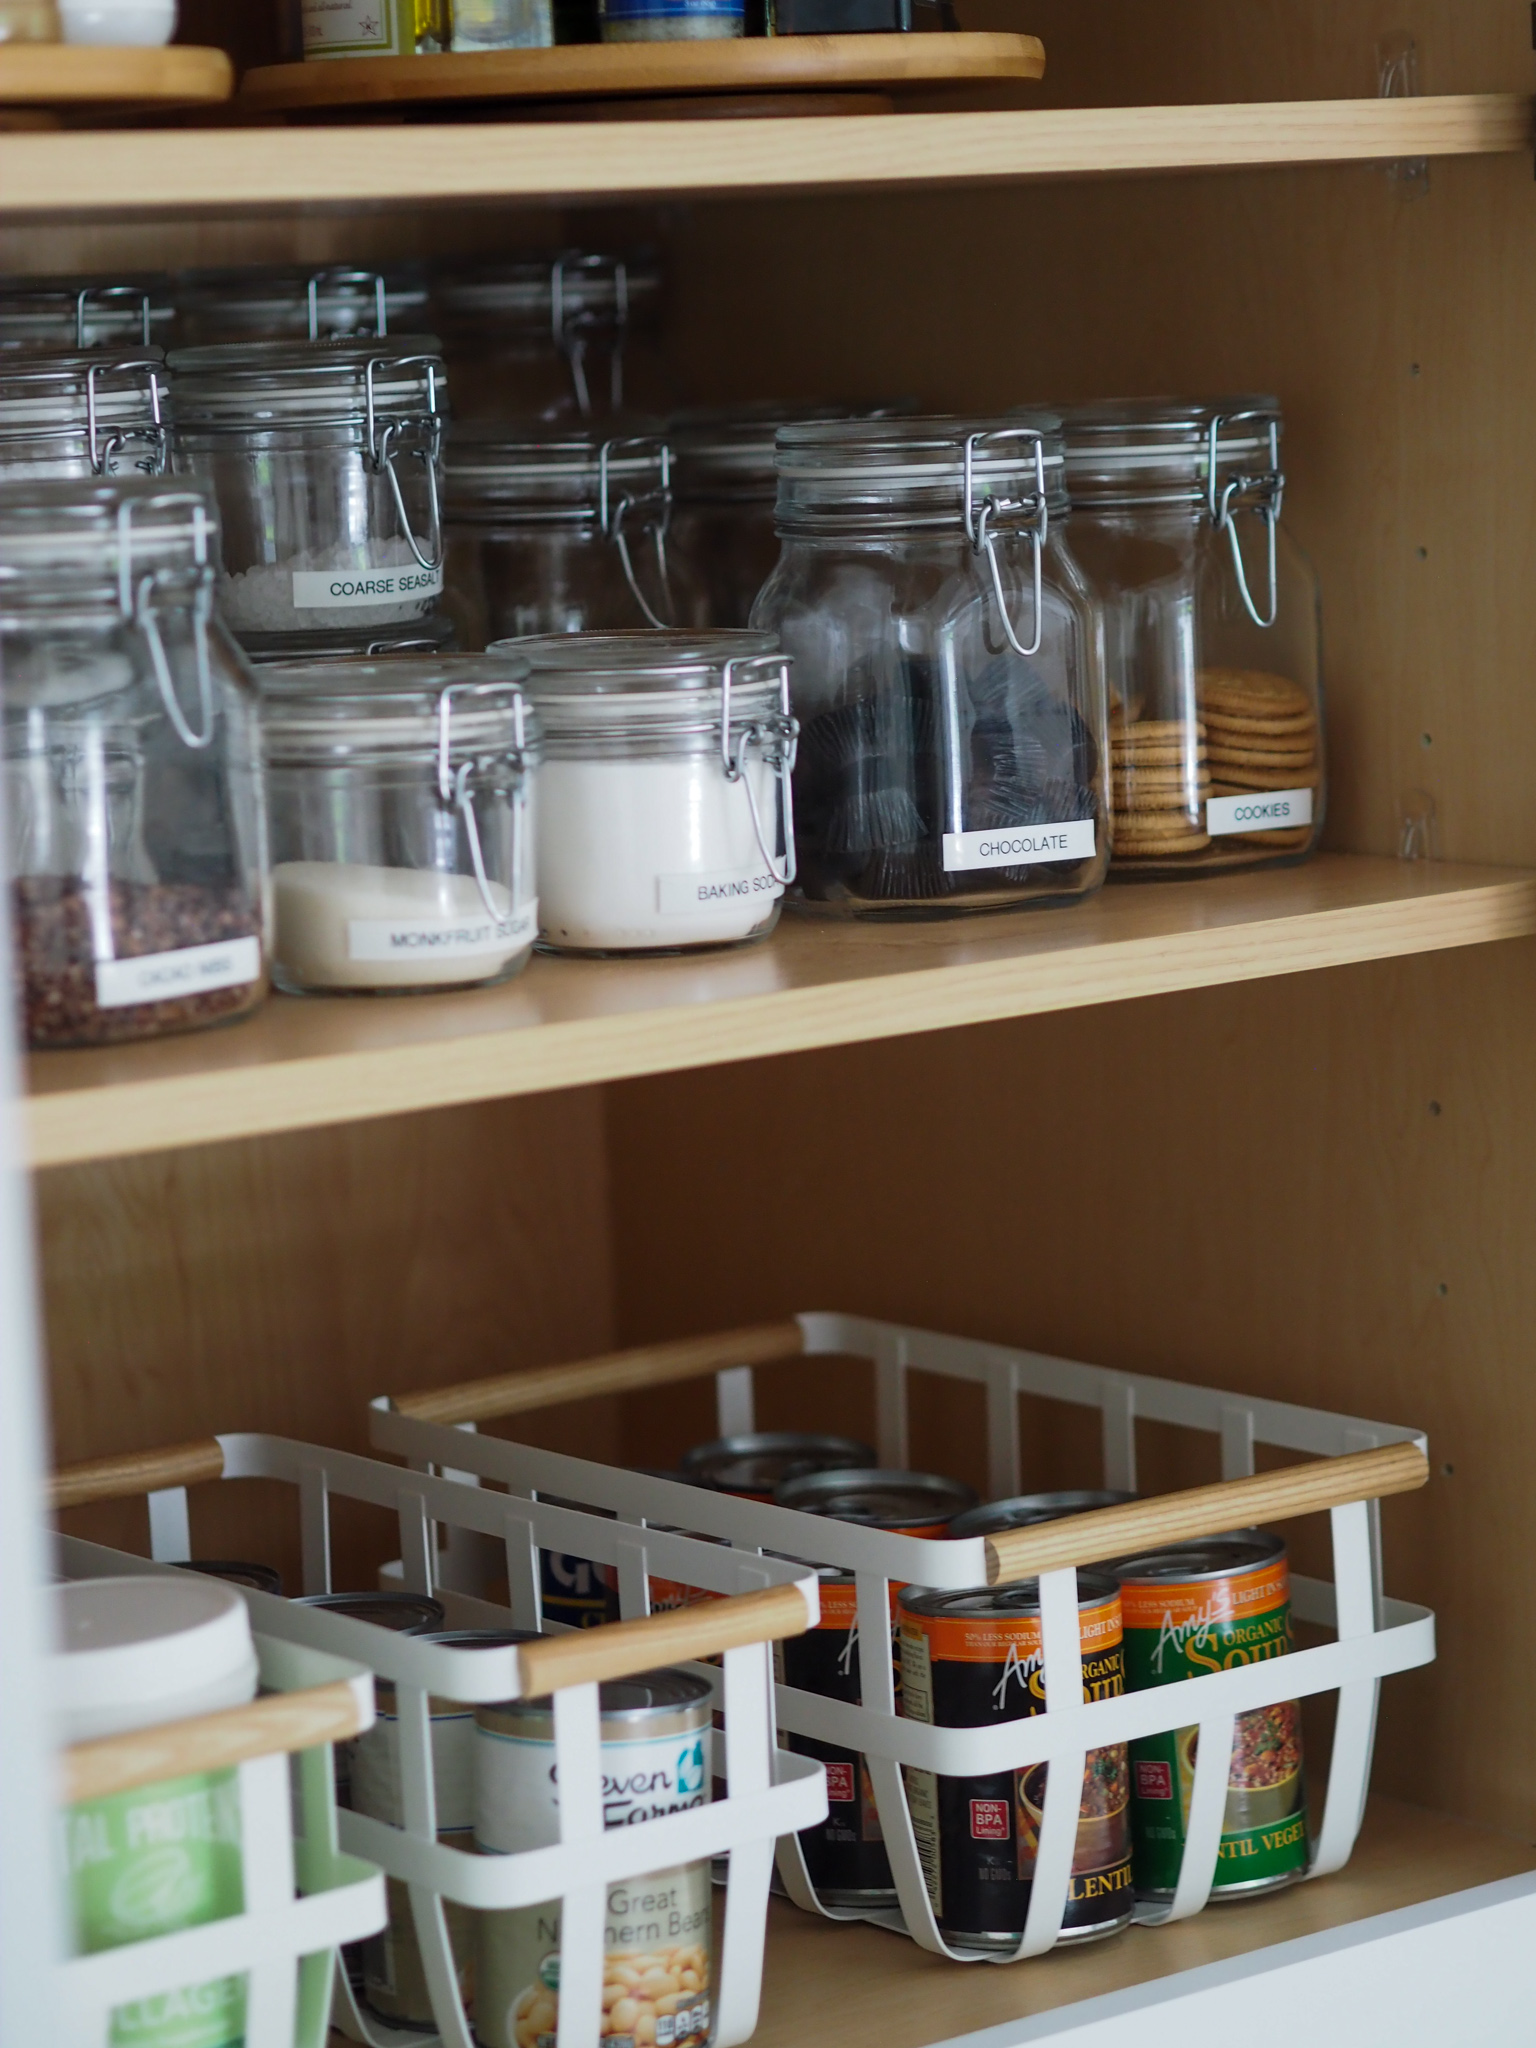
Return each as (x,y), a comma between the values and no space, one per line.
(658,1954)
(1202,1607)
(970,1660)
(756,1464)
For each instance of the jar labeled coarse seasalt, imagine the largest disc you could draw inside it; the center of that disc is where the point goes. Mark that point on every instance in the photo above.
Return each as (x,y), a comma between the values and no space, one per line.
(401,797)
(948,678)
(297,304)
(556,532)
(69,413)
(664,818)
(1211,633)
(326,461)
(133,798)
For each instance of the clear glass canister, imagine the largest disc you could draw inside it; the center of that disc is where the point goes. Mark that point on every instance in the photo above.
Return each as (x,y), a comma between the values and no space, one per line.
(1211,631)
(549,337)
(402,809)
(665,814)
(78,414)
(354,643)
(554,531)
(326,461)
(84,313)
(131,751)
(948,678)
(295,304)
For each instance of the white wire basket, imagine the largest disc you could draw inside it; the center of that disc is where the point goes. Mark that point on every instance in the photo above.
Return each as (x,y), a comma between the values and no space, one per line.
(1352,1464)
(767,1792)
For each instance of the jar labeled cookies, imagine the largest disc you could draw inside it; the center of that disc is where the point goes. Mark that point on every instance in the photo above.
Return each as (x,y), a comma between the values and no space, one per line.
(1210,629)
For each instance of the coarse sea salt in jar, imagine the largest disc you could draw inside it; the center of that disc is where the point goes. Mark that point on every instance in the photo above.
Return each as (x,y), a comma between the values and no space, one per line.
(664,811)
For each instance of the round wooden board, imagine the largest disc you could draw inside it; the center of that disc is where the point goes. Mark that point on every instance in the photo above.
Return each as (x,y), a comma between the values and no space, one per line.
(102,75)
(742,64)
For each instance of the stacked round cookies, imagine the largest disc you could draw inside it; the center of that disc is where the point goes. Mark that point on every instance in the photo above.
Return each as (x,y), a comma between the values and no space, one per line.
(1262,734)
(1160,780)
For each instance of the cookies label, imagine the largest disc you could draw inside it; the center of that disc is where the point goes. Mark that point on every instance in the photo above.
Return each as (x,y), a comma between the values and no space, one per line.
(1020,846)
(1265,810)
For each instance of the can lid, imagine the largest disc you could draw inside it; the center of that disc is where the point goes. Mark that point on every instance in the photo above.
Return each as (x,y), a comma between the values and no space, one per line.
(999,1603)
(137,1651)
(1024,1510)
(481,1638)
(1209,1557)
(761,1460)
(237,1571)
(642,1697)
(408,1614)
(409,702)
(879,1499)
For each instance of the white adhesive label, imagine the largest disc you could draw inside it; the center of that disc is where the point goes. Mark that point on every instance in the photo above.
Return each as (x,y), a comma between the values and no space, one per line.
(1264,810)
(171,977)
(687,895)
(1020,846)
(344,589)
(465,938)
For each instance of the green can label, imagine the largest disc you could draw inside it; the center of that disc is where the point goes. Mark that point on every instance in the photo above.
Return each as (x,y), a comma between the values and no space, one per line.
(153,1861)
(1181,1630)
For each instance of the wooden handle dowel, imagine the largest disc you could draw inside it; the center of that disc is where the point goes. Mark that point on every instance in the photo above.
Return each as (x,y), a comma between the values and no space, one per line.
(620,1648)
(1140,1526)
(278,1725)
(132,1472)
(620,1372)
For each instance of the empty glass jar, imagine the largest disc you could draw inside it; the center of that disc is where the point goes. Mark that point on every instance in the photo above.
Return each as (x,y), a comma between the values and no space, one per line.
(1211,633)
(402,809)
(131,757)
(559,532)
(326,461)
(948,677)
(357,643)
(294,304)
(721,541)
(77,414)
(84,313)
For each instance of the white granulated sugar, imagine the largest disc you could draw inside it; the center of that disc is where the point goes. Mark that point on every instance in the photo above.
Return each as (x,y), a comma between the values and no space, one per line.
(345,925)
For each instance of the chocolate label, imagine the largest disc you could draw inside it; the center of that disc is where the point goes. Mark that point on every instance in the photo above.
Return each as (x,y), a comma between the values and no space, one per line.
(1020,846)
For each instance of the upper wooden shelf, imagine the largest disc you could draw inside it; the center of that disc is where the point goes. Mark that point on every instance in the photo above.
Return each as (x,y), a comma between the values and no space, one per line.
(569,1023)
(192,171)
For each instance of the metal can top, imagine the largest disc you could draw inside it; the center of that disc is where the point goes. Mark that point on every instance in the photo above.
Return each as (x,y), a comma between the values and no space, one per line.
(1208,1557)
(452,1639)
(408,1614)
(757,1462)
(1001,1603)
(907,1503)
(1024,1510)
(236,1571)
(623,1704)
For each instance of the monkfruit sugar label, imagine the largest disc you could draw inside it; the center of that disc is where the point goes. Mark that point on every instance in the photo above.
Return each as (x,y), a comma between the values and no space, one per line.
(434,938)
(1020,846)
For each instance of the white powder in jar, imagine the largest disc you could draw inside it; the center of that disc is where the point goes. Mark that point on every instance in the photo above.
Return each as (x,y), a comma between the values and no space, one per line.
(646,852)
(343,925)
(372,584)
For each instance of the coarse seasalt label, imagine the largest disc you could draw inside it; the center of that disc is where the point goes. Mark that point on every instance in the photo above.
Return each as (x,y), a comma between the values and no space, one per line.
(1264,810)
(328,589)
(689,895)
(1020,846)
(433,938)
(346,27)
(171,977)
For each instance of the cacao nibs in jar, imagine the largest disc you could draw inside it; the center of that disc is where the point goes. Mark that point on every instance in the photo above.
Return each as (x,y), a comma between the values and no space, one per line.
(56,965)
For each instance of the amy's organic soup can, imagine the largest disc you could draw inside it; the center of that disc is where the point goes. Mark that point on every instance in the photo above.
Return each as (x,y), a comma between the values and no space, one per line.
(755,1464)
(1027,1510)
(658,1951)
(1202,1607)
(970,1660)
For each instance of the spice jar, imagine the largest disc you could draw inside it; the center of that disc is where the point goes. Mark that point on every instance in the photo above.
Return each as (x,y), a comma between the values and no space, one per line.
(401,802)
(131,756)
(1211,633)
(76,414)
(556,532)
(326,461)
(83,313)
(296,304)
(664,810)
(948,679)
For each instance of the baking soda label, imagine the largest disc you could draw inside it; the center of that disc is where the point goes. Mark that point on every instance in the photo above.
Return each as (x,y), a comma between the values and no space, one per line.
(328,589)
(1266,810)
(172,977)
(436,938)
(691,895)
(1020,846)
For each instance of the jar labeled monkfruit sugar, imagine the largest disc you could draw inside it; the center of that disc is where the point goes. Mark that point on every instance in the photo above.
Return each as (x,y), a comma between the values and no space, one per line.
(947,676)
(665,818)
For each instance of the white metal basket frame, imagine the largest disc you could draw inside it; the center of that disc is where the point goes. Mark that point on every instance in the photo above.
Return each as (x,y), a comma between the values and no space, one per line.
(1374,1636)
(768,1791)
(304,1896)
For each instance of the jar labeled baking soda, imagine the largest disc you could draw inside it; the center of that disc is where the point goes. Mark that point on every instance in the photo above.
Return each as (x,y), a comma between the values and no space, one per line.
(1211,633)
(665,818)
(947,674)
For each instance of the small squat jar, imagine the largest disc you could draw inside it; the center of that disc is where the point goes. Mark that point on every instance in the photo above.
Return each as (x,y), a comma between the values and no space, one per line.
(947,679)
(72,414)
(326,460)
(401,799)
(664,817)
(282,304)
(83,313)
(131,752)
(1211,634)
(431,636)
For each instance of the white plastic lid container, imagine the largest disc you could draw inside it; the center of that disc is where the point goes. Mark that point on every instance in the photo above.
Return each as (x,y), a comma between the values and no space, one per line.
(135,1652)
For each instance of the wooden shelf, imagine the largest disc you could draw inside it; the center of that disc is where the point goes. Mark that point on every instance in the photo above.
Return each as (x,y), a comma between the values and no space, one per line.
(886,1993)
(570,1023)
(192,172)
(113,78)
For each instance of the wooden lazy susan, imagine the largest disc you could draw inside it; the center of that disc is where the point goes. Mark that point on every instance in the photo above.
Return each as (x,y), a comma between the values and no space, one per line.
(45,84)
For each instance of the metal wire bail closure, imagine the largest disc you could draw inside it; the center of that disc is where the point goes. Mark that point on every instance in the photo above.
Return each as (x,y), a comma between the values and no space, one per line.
(569,339)
(1263,495)
(345,276)
(455,794)
(136,601)
(100,294)
(382,430)
(784,728)
(101,452)
(612,513)
(1017,515)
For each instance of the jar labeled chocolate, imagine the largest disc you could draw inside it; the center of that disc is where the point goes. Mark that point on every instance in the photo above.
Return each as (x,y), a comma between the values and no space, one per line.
(401,799)
(66,413)
(326,461)
(948,678)
(1211,633)
(664,811)
(132,762)
(81,313)
(294,304)
(557,533)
